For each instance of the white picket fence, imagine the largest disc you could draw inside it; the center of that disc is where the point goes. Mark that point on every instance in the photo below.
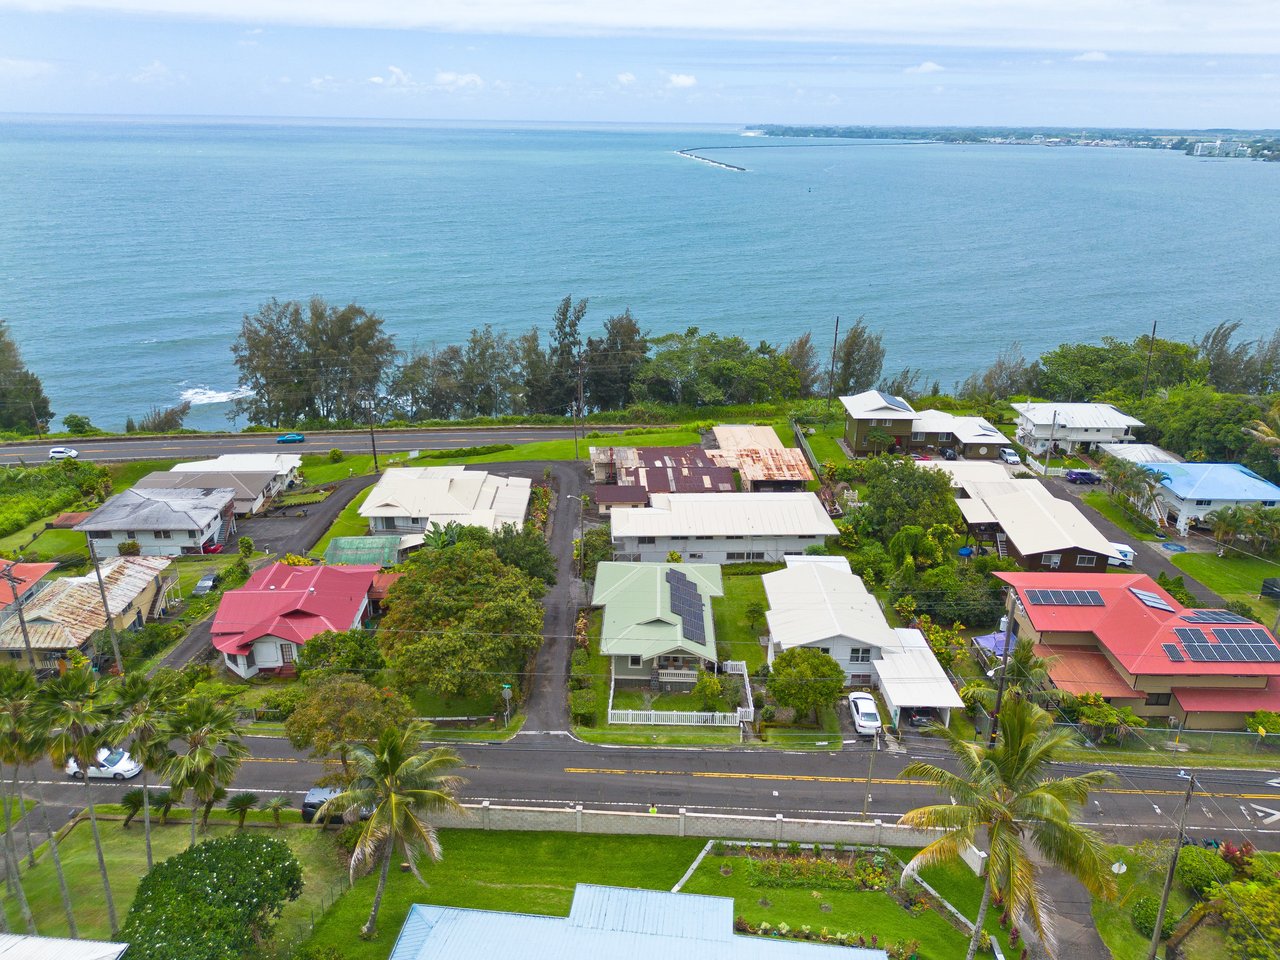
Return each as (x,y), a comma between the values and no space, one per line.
(692,718)
(1038,467)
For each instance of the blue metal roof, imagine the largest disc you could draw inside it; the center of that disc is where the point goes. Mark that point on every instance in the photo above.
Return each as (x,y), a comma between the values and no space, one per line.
(1214,481)
(605,921)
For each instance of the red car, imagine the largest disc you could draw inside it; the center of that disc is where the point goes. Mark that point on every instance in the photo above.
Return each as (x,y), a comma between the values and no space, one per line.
(920,456)
(216,548)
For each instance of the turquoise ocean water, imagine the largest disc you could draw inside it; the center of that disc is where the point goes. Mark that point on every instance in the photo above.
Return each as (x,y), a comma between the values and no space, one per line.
(130,249)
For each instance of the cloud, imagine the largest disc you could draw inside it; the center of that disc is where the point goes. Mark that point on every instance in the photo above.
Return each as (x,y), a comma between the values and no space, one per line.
(626,79)
(681,80)
(157,74)
(370,80)
(454,82)
(1093,56)
(19,70)
(927,67)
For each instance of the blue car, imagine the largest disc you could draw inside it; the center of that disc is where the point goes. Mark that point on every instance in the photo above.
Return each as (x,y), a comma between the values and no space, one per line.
(290,438)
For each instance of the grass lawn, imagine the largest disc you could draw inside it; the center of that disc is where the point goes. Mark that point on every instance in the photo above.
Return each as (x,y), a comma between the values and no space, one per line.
(427,703)
(15,812)
(825,446)
(520,872)
(1113,920)
(735,639)
(1232,577)
(957,884)
(190,571)
(1134,524)
(48,545)
(634,700)
(563,449)
(865,912)
(825,735)
(349,523)
(126,860)
(317,468)
(125,475)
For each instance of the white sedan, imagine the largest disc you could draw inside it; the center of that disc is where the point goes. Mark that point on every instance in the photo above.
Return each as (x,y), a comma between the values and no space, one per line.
(112,764)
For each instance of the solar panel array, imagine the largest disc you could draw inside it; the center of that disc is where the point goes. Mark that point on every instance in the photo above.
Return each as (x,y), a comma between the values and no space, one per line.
(1065,598)
(1214,616)
(1152,600)
(1173,653)
(687,603)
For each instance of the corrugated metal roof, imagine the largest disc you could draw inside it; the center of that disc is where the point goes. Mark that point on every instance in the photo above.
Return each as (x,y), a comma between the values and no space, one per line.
(734,436)
(472,498)
(910,676)
(812,602)
(964,429)
(765,463)
(724,514)
(1215,481)
(20,947)
(1033,519)
(248,485)
(638,618)
(27,575)
(281,464)
(603,922)
(1139,452)
(1076,416)
(160,508)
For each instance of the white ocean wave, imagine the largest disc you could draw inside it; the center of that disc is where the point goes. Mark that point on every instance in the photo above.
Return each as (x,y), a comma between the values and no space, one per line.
(198,396)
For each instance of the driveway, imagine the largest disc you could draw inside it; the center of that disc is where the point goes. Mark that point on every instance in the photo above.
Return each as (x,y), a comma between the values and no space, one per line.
(298,529)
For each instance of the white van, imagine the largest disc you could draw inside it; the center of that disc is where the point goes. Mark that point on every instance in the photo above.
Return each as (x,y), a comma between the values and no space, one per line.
(1125,553)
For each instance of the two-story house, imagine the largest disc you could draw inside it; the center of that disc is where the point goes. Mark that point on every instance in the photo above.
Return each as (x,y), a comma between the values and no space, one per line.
(163,521)
(877,422)
(1071,426)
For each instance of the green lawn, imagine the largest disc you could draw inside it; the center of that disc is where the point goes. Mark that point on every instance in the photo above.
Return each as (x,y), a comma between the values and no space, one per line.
(865,912)
(48,545)
(735,639)
(349,523)
(563,449)
(1113,919)
(190,571)
(824,443)
(633,699)
(1124,517)
(956,884)
(317,469)
(1232,577)
(15,812)
(519,872)
(125,475)
(426,703)
(126,863)
(825,735)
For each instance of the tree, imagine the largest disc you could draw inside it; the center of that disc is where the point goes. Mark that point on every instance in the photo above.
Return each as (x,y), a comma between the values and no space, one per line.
(78,424)
(213,901)
(487,374)
(208,754)
(564,356)
(76,709)
(341,710)
(133,802)
(898,494)
(24,408)
(21,745)
(404,788)
(706,369)
(595,546)
(245,547)
(610,363)
(1008,793)
(275,806)
(754,614)
(1009,374)
(803,357)
(164,421)
(346,651)
(1026,676)
(805,679)
(525,548)
(1251,909)
(240,805)
(708,689)
(428,386)
(145,706)
(859,359)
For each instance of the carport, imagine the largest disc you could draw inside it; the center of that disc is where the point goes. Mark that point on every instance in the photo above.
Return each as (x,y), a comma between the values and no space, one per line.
(911,679)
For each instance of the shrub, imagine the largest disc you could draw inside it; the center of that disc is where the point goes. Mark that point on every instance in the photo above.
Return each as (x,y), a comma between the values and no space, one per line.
(583,707)
(1199,869)
(1263,720)
(579,664)
(1144,914)
(285,700)
(336,455)
(349,836)
(129,548)
(78,425)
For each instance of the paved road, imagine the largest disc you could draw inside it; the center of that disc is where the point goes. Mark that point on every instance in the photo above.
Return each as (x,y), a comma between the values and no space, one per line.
(194,447)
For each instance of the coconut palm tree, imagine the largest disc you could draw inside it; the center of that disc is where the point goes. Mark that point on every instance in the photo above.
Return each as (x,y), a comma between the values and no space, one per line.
(402,788)
(1267,430)
(145,705)
(1026,676)
(1007,793)
(1227,523)
(241,804)
(17,687)
(208,754)
(77,708)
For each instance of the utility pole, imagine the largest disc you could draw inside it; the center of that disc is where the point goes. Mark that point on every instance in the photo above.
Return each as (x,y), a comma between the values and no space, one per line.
(22,618)
(35,416)
(1173,863)
(1048,451)
(373,440)
(1151,346)
(1004,666)
(106,608)
(831,375)
(577,410)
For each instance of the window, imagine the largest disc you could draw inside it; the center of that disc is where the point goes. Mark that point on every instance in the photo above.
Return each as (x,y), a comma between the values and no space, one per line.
(917,436)
(162,534)
(702,538)
(286,653)
(1268,503)
(944,437)
(248,659)
(192,534)
(693,556)
(826,650)
(647,540)
(1088,561)
(1051,560)
(634,661)
(744,555)
(131,534)
(860,655)
(736,538)
(1157,699)
(99,535)
(1203,503)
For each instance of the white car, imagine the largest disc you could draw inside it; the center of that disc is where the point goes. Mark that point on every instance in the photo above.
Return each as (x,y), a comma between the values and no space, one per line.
(112,764)
(1010,456)
(63,453)
(866,716)
(1125,553)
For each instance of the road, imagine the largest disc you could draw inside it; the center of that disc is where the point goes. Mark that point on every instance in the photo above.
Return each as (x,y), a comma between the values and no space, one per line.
(199,446)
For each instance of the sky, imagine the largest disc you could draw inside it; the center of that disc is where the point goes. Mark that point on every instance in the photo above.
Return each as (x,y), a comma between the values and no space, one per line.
(1074,63)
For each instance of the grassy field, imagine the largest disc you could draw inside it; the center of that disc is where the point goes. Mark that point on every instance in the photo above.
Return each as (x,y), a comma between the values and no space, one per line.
(520,872)
(190,571)
(125,475)
(125,853)
(1136,525)
(1113,920)
(957,885)
(735,639)
(824,443)
(47,545)
(633,699)
(825,735)
(1232,577)
(563,449)
(429,704)
(348,524)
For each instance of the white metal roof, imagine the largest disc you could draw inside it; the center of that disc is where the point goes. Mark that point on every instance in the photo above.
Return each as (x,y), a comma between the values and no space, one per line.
(811,602)
(731,436)
(281,464)
(964,429)
(724,515)
(1139,452)
(22,947)
(911,677)
(964,472)
(1033,519)
(472,498)
(1075,415)
(874,403)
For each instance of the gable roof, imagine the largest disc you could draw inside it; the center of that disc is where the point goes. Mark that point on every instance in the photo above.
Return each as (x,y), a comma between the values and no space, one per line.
(765,463)
(724,515)
(678,479)
(27,575)
(472,498)
(875,403)
(964,429)
(812,602)
(1076,416)
(248,485)
(1214,481)
(280,464)
(1033,519)
(291,603)
(160,508)
(16,946)
(732,436)
(1139,452)
(1132,631)
(638,615)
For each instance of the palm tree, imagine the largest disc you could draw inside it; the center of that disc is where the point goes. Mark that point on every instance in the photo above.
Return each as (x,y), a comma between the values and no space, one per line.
(1267,430)
(402,787)
(209,753)
(1007,792)
(1227,523)
(1026,677)
(241,804)
(145,704)
(77,710)
(133,802)
(17,687)
(275,806)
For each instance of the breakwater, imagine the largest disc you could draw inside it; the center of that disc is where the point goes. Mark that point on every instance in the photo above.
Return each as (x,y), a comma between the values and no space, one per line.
(692,155)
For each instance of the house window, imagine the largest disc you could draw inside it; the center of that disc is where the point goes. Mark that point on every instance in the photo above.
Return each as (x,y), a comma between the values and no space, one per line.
(917,436)
(286,653)
(1203,503)
(131,535)
(162,534)
(944,437)
(1086,561)
(99,534)
(248,659)
(826,650)
(736,538)
(634,661)
(1051,560)
(1157,699)
(693,556)
(192,534)
(860,655)
(644,540)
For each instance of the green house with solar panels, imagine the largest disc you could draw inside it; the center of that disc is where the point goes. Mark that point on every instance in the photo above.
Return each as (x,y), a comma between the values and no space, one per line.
(657,628)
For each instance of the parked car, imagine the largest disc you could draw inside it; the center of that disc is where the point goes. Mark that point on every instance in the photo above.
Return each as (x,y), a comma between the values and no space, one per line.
(1010,456)
(63,453)
(920,456)
(290,438)
(206,583)
(316,797)
(948,453)
(921,716)
(866,716)
(1082,476)
(1126,555)
(213,548)
(113,764)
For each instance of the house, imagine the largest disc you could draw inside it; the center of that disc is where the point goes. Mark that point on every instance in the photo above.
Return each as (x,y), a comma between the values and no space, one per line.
(973,438)
(877,422)
(1189,492)
(604,922)
(411,499)
(364,551)
(762,460)
(250,488)
(1122,636)
(818,602)
(626,476)
(286,467)
(1138,453)
(1023,520)
(259,627)
(1071,426)
(19,583)
(609,496)
(608,462)
(163,521)
(67,613)
(657,628)
(720,527)
(19,946)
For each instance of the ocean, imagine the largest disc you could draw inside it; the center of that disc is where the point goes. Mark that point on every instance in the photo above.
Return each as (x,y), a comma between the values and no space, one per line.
(130,249)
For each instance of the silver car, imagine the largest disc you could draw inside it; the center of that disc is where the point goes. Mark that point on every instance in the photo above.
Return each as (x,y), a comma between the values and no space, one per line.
(63,453)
